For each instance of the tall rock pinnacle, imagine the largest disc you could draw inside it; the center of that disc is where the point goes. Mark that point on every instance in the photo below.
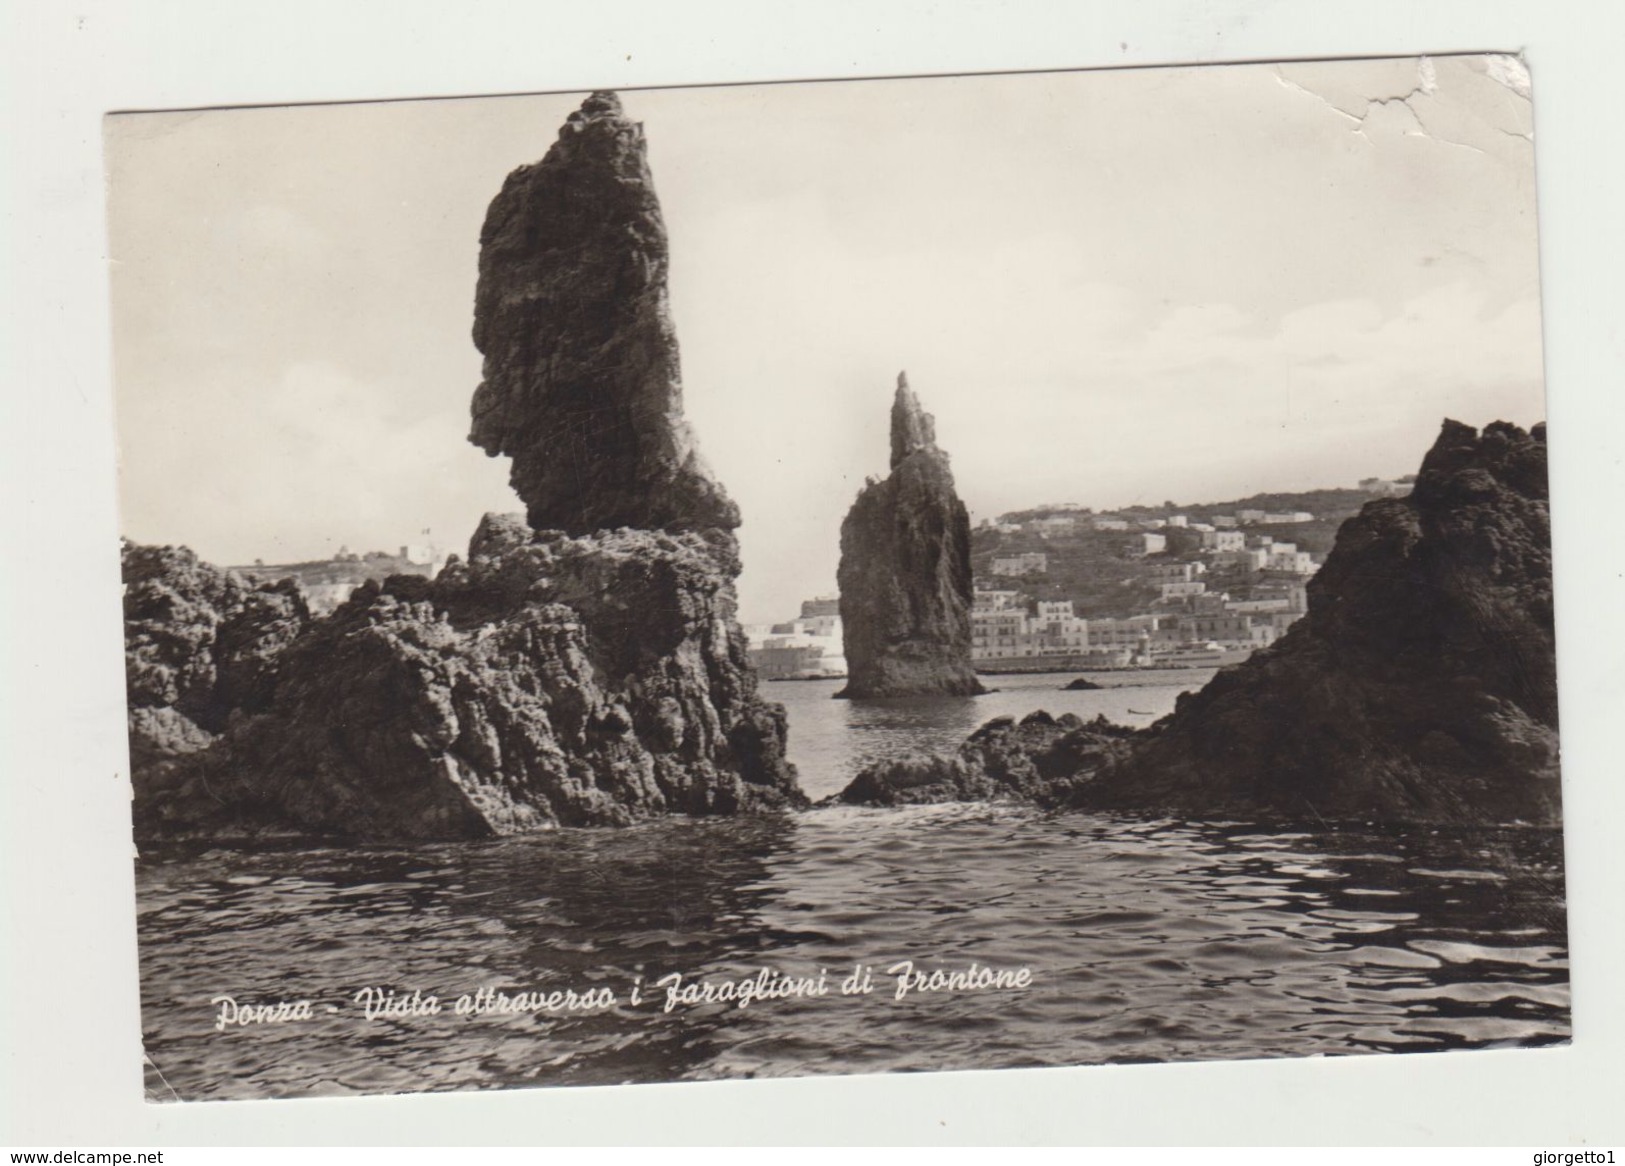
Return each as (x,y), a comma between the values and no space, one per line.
(905,574)
(582,386)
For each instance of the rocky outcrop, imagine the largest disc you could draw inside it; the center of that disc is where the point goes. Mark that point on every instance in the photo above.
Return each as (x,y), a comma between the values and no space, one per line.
(1420,686)
(1037,759)
(557,682)
(583,668)
(905,576)
(200,644)
(582,387)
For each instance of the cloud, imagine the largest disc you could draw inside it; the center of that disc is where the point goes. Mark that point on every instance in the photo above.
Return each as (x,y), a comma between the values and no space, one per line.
(1187,282)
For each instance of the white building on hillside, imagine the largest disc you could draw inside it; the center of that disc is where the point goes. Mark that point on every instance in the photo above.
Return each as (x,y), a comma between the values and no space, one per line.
(1247,558)
(1055,524)
(1291,562)
(995,600)
(1182,590)
(1177,572)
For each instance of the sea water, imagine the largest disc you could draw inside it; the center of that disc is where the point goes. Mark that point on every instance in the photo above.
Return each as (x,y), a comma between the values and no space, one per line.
(607,956)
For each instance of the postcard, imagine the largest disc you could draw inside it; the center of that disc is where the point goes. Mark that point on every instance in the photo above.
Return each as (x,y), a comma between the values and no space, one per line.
(920,574)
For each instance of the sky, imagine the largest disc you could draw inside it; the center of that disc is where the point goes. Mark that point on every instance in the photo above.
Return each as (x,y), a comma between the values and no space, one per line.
(1110,287)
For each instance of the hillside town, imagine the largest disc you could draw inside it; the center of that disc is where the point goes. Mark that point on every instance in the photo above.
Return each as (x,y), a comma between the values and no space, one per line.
(1215,588)
(1191,628)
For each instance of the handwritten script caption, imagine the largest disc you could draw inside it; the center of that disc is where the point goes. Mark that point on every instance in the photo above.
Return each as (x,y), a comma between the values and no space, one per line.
(672,992)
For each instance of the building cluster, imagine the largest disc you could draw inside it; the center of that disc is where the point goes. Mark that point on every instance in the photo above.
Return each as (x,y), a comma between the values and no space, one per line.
(1192,621)
(808,647)
(1191,627)
(1062,525)
(1229,548)
(1232,550)
(328,582)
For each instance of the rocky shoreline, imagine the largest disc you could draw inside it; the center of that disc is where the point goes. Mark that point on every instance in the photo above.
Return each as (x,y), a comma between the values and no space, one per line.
(1420,688)
(585,666)
(549,681)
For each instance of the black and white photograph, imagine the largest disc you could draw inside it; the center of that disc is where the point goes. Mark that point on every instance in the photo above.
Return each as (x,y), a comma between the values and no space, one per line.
(967,572)
(921,574)
(872,575)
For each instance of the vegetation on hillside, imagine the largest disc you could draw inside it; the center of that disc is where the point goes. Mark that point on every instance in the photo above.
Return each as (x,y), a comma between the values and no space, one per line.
(1102,573)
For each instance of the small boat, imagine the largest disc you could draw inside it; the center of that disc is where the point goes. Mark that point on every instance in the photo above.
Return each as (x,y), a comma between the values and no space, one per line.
(1141,713)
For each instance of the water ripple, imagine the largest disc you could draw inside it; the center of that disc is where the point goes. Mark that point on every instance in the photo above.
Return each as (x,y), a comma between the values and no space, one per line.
(1147,941)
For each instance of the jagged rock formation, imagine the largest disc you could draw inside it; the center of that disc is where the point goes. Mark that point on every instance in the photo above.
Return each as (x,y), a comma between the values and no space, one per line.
(1420,687)
(582,387)
(905,575)
(200,643)
(591,672)
(561,681)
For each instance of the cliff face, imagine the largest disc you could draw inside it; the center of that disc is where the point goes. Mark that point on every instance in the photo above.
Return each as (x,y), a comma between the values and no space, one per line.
(1038,759)
(564,681)
(200,643)
(1420,687)
(582,387)
(905,575)
(590,671)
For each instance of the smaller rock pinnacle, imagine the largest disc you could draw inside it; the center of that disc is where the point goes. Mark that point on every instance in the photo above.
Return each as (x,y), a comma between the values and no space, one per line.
(905,572)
